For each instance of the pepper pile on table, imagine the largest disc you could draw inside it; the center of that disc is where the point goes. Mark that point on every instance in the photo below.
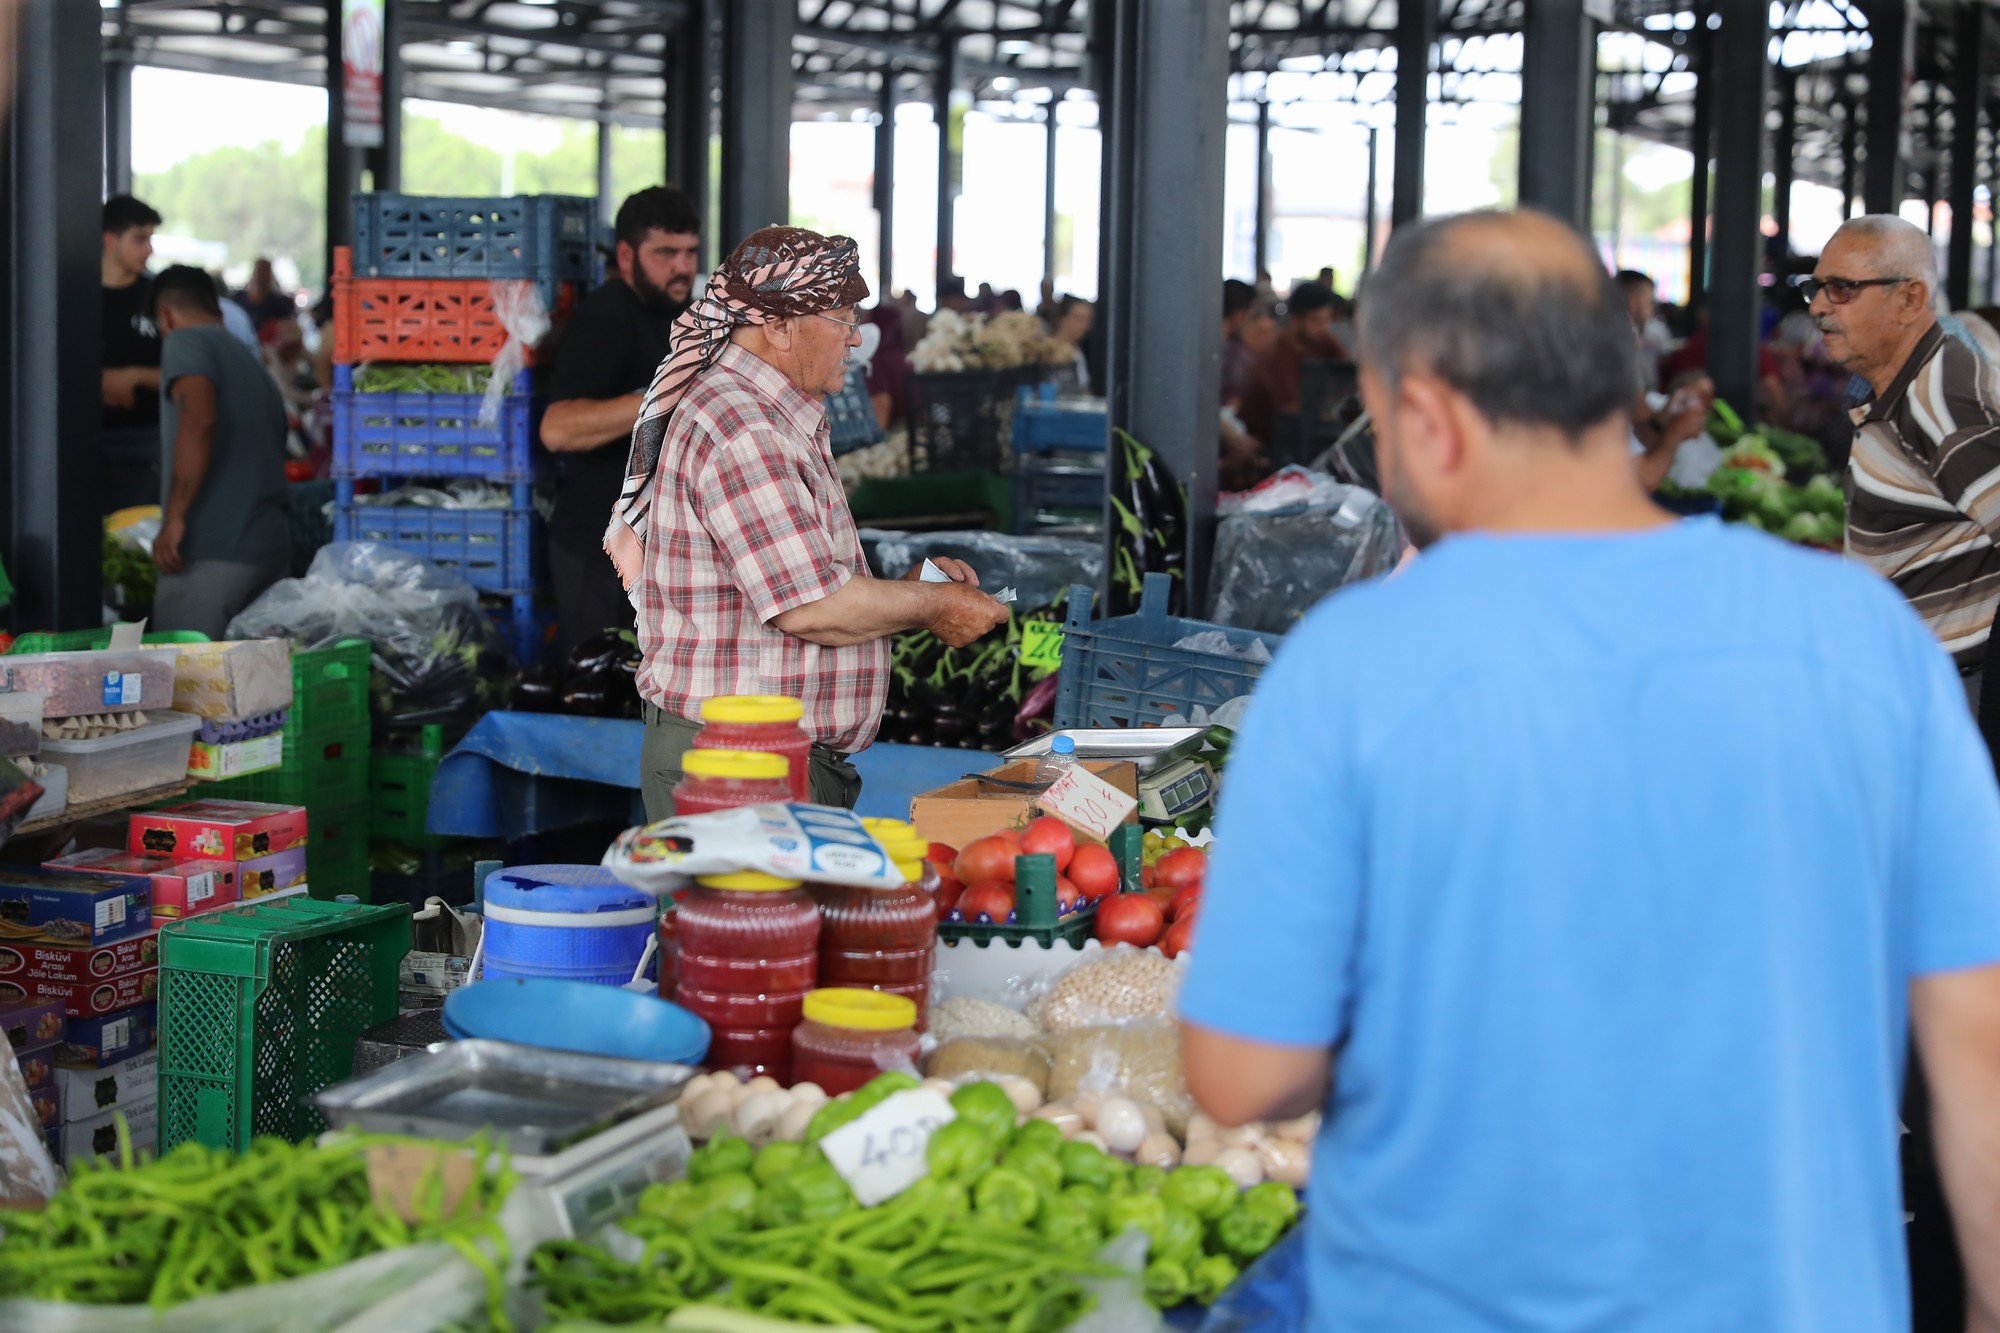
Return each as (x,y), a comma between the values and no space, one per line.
(979,697)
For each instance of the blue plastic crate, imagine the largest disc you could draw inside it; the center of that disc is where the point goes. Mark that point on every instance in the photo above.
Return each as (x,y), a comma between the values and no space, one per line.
(850,416)
(1126,672)
(430,434)
(495,550)
(547,238)
(1042,424)
(525,627)
(1044,484)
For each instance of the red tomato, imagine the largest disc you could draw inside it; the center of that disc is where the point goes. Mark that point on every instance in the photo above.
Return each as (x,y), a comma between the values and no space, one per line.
(1048,836)
(948,893)
(1094,871)
(1177,870)
(1180,937)
(990,899)
(984,859)
(1146,877)
(1067,894)
(1129,918)
(1186,899)
(298,469)
(941,856)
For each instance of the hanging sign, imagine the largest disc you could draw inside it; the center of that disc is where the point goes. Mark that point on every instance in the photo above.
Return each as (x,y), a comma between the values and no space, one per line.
(361,73)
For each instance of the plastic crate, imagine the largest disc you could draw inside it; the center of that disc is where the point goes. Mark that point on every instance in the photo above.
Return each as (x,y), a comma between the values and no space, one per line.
(1043,484)
(421,319)
(261,1007)
(337,852)
(1126,672)
(324,773)
(92,640)
(399,792)
(963,418)
(329,693)
(536,236)
(430,434)
(440,874)
(1035,915)
(1043,423)
(850,416)
(495,550)
(528,630)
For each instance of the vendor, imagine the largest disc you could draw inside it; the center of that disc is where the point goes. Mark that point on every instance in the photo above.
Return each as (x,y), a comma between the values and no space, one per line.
(1607,1008)
(615,341)
(732,532)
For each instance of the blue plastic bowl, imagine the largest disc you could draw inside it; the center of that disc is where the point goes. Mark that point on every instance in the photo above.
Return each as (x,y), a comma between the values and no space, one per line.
(576,1016)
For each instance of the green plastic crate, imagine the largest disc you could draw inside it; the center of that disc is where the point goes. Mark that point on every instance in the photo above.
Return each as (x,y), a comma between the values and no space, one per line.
(337,851)
(399,792)
(329,692)
(90,640)
(333,773)
(260,1008)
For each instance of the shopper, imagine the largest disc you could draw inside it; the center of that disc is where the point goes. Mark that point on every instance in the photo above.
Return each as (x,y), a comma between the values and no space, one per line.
(223,535)
(1239,357)
(733,532)
(1604,992)
(130,425)
(263,300)
(1307,335)
(1070,325)
(615,341)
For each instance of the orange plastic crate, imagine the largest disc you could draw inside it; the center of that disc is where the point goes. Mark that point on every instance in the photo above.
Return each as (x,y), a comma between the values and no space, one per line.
(418,319)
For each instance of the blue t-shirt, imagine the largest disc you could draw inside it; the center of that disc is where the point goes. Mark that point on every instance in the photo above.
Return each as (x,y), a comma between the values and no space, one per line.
(1604,862)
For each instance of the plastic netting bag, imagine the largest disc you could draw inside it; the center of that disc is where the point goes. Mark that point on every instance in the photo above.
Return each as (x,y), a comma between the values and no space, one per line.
(1119,985)
(438,657)
(1038,569)
(1301,535)
(1140,1061)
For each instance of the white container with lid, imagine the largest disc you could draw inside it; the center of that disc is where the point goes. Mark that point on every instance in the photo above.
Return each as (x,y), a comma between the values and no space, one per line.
(94,682)
(155,755)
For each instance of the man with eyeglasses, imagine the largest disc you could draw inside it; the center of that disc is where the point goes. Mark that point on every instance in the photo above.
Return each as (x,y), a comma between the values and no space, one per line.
(1924,478)
(732,533)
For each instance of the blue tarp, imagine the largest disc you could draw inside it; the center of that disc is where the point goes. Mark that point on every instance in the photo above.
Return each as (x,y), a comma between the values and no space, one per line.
(521,773)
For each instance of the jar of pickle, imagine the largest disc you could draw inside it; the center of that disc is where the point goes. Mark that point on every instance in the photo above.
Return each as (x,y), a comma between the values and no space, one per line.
(714,780)
(881,939)
(748,954)
(770,723)
(850,1036)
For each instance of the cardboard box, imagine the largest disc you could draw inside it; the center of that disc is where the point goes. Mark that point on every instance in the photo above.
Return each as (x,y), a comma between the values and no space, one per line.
(233,680)
(48,1105)
(64,962)
(92,998)
(234,759)
(38,1068)
(43,906)
(961,811)
(89,1092)
(180,888)
(32,1025)
(93,1043)
(264,875)
(217,830)
(97,1136)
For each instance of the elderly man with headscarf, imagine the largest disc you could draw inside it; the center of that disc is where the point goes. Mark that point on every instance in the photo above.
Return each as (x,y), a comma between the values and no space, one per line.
(732,533)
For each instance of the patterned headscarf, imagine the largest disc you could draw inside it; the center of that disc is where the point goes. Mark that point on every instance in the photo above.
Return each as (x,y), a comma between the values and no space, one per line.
(777,273)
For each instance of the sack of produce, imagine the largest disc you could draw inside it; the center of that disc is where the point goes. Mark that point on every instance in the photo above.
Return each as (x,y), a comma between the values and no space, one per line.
(1040,570)
(964,1016)
(1119,985)
(1139,1061)
(1288,544)
(993,1058)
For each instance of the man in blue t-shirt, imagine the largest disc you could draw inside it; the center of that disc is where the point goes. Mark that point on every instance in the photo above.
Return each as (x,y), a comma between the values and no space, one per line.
(1592,873)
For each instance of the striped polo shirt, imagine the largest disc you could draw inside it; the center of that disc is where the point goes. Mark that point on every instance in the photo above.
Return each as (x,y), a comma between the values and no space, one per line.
(1923,494)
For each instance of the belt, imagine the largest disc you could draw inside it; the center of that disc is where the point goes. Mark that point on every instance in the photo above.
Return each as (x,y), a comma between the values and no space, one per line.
(655,715)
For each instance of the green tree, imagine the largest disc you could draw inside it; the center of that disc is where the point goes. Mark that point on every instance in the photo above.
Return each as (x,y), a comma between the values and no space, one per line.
(259,201)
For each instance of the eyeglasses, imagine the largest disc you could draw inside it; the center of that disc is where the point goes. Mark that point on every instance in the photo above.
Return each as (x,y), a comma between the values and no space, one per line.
(844,323)
(1839,291)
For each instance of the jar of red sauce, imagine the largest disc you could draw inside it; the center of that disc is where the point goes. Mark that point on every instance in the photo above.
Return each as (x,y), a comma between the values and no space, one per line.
(748,948)
(881,939)
(714,780)
(764,723)
(850,1036)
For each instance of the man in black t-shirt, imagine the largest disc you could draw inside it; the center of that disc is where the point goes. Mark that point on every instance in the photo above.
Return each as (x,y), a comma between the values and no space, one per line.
(131,422)
(615,341)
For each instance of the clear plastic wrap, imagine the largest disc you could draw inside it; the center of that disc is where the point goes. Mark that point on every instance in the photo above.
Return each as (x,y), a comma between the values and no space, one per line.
(966,1016)
(1141,1061)
(519,305)
(1038,569)
(811,843)
(1300,536)
(992,1058)
(1119,985)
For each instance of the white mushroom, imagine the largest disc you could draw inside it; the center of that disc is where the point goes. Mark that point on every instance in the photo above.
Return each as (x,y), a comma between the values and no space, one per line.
(1287,1162)
(1085,1136)
(696,1086)
(1303,1130)
(1158,1150)
(707,1112)
(1242,1165)
(757,1118)
(1027,1100)
(1121,1123)
(1063,1116)
(792,1124)
(811,1094)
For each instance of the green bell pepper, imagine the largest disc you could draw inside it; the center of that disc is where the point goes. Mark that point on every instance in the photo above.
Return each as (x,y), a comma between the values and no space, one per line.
(775,1159)
(1167,1283)
(1135,1212)
(721,1155)
(810,1192)
(832,1116)
(1246,1234)
(1070,1227)
(1206,1191)
(882,1087)
(1147,1179)
(1274,1201)
(1212,1276)
(1089,1200)
(1041,1134)
(985,1105)
(1007,1196)
(1044,1168)
(1178,1235)
(959,1150)
(1083,1164)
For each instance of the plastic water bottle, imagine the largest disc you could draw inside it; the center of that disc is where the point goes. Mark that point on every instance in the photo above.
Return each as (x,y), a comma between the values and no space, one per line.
(1060,759)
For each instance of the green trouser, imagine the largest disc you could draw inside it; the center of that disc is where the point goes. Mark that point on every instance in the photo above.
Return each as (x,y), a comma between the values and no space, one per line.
(834,780)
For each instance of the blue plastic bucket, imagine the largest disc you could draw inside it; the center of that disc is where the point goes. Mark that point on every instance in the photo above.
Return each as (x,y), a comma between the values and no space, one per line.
(570,923)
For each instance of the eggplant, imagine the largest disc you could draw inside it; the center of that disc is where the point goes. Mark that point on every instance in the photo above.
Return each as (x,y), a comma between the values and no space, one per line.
(538,689)
(594,693)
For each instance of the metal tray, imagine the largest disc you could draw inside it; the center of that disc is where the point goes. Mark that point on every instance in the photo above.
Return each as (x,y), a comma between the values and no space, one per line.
(1146,748)
(536,1101)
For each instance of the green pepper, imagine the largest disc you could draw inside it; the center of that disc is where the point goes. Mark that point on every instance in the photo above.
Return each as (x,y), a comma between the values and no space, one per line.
(959,1150)
(834,1115)
(987,1106)
(1245,1234)
(1167,1283)
(1147,1179)
(1089,1200)
(775,1159)
(1070,1227)
(883,1086)
(734,1194)
(1044,1168)
(1212,1276)
(1178,1236)
(720,1156)
(1083,1164)
(1007,1196)
(1041,1134)
(1274,1201)
(1135,1212)
(809,1192)
(1206,1191)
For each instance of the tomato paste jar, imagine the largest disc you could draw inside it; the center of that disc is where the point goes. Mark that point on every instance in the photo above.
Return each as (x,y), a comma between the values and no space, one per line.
(748,954)
(850,1036)
(724,779)
(766,723)
(881,939)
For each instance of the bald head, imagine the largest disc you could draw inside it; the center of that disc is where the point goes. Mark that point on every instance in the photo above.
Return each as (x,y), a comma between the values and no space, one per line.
(1897,248)
(1513,310)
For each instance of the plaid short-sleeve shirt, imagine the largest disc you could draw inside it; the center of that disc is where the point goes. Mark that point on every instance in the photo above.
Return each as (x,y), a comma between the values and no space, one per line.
(749,521)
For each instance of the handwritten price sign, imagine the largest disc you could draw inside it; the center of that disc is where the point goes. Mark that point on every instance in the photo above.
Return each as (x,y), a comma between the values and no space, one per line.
(1081,798)
(882,1154)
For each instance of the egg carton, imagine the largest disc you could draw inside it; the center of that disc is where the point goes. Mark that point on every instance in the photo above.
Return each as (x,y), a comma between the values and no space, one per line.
(230,731)
(90,726)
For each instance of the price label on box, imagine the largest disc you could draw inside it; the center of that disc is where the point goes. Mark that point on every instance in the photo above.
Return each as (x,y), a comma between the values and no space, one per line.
(1081,798)
(882,1154)
(1041,644)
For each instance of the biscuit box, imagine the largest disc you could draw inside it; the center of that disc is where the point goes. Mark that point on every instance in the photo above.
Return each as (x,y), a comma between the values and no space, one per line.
(180,888)
(93,998)
(38,1068)
(66,962)
(270,874)
(89,1092)
(217,830)
(97,1136)
(31,1025)
(48,1106)
(42,906)
(93,1043)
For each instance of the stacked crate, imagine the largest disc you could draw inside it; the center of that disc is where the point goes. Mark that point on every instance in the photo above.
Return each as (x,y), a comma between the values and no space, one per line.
(418,286)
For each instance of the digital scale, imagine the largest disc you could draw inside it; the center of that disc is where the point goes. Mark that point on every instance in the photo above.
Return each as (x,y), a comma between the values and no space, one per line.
(1173,790)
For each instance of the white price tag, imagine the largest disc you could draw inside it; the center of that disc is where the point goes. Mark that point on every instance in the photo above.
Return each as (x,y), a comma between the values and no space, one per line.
(117,1035)
(882,1154)
(1081,798)
(110,912)
(200,888)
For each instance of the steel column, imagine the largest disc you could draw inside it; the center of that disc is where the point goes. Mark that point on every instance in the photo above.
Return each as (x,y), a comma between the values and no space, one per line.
(1416,40)
(1701,145)
(1782,151)
(1850,157)
(885,186)
(607,207)
(1965,100)
(1262,242)
(691,117)
(1558,108)
(385,164)
(756,119)
(118,107)
(1931,163)
(1888,95)
(1049,194)
(343,164)
(1993,205)
(1166,129)
(1371,203)
(1742,79)
(51,353)
(951,164)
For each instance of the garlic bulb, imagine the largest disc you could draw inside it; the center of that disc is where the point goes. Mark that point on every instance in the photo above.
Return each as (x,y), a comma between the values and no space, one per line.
(1121,1124)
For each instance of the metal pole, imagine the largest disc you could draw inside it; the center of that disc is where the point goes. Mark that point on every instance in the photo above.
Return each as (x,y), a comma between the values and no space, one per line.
(1558,112)
(1781,159)
(1416,37)
(1617,199)
(1370,204)
(342,163)
(756,119)
(118,107)
(1049,194)
(951,166)
(1932,166)
(386,162)
(691,116)
(1993,206)
(885,186)
(1703,140)
(51,529)
(1742,80)
(1965,152)
(1888,95)
(1262,242)
(1850,164)
(607,207)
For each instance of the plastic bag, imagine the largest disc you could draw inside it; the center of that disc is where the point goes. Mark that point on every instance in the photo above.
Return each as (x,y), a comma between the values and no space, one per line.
(1120,985)
(802,842)
(1280,553)
(992,1058)
(27,1173)
(965,1016)
(1039,569)
(518,303)
(1141,1061)
(1121,1301)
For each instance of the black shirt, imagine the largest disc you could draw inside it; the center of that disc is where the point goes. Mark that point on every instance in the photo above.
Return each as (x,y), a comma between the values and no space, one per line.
(613,345)
(131,340)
